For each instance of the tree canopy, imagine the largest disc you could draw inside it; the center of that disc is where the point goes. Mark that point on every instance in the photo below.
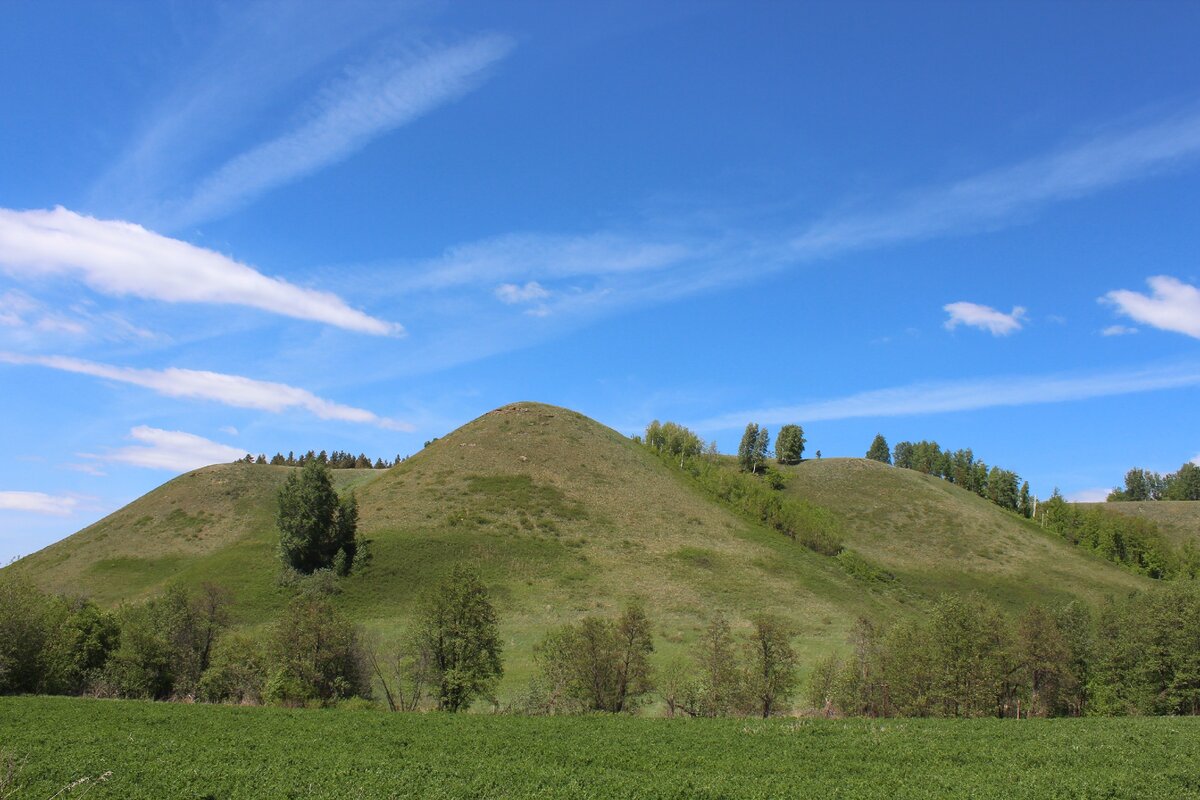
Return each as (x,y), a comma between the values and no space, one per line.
(317,530)
(789,444)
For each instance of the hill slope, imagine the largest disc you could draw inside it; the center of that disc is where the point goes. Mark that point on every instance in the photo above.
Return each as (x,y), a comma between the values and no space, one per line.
(565,516)
(1179,520)
(935,536)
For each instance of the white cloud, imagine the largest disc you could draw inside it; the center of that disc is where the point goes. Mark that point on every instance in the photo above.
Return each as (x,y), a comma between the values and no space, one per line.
(171,450)
(121,258)
(1174,306)
(512,294)
(966,395)
(985,318)
(232,390)
(232,431)
(995,197)
(37,503)
(1118,330)
(1098,495)
(373,100)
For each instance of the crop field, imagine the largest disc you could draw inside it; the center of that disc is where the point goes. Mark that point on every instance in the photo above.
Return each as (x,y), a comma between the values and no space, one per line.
(146,750)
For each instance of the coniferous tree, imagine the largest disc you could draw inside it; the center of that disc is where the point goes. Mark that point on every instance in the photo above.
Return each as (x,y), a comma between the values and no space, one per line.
(879,450)
(316,529)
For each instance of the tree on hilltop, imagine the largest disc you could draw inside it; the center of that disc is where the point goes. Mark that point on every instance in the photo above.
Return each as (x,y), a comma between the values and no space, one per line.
(789,444)
(879,450)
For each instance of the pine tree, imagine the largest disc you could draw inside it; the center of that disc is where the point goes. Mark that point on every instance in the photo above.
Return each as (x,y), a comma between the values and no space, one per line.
(879,450)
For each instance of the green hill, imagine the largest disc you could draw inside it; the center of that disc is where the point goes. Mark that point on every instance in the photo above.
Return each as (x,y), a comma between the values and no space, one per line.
(1179,520)
(564,516)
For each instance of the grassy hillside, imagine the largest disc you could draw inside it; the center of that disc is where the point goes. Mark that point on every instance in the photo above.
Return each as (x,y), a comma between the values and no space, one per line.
(1179,520)
(564,516)
(935,536)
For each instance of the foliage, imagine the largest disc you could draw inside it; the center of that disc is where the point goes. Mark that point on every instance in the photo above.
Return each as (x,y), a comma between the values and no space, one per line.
(752,452)
(1143,484)
(166,643)
(717,690)
(237,673)
(598,664)
(673,440)
(314,654)
(24,615)
(962,468)
(1132,541)
(459,632)
(879,451)
(771,669)
(789,444)
(800,521)
(1148,649)
(316,529)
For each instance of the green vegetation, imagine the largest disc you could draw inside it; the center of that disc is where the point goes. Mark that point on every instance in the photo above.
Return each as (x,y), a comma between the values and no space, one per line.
(879,451)
(789,445)
(459,639)
(1132,541)
(146,750)
(317,530)
(564,518)
(752,452)
(1142,484)
(596,664)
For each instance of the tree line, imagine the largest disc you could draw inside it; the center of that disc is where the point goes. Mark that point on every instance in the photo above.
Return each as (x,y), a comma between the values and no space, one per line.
(960,467)
(1136,655)
(1144,484)
(338,459)
(181,646)
(1140,655)
(1127,540)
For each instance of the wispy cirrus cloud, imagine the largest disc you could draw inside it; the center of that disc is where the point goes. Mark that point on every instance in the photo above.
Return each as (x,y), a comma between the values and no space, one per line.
(123,259)
(252,58)
(524,257)
(997,197)
(38,503)
(986,318)
(1172,306)
(1118,330)
(231,390)
(967,395)
(348,113)
(176,451)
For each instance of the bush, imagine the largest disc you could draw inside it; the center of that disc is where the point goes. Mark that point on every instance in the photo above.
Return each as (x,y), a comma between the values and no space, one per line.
(314,653)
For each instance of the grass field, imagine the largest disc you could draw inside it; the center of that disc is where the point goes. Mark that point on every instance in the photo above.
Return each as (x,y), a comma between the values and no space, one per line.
(181,751)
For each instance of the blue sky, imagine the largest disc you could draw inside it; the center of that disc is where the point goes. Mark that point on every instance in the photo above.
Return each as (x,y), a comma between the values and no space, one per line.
(260,227)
